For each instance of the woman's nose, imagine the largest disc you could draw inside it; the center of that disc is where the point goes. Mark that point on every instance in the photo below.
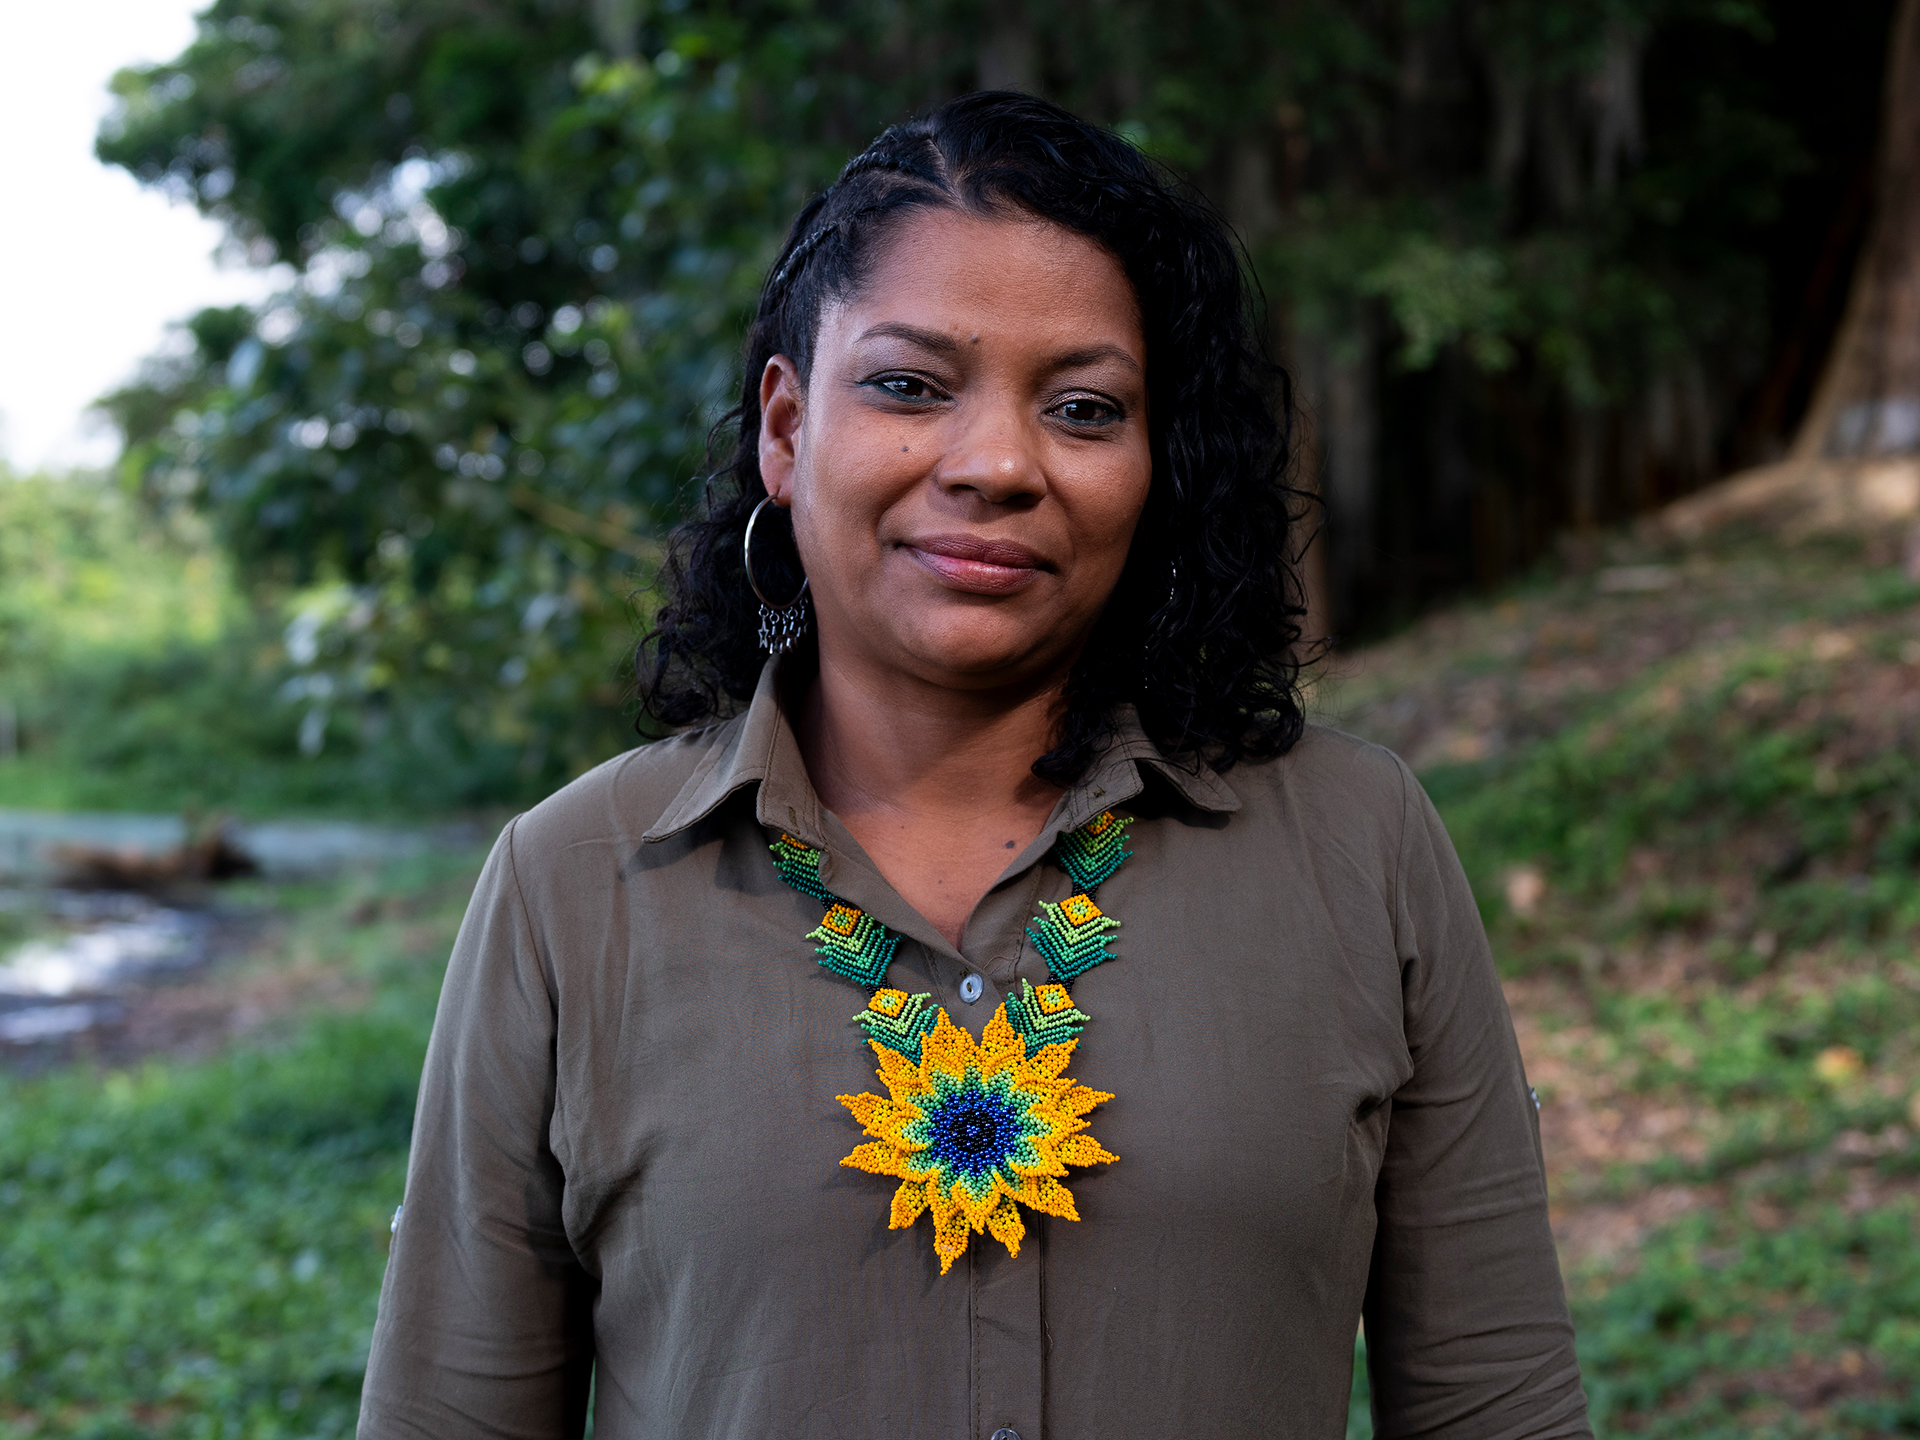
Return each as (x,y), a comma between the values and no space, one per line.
(995,459)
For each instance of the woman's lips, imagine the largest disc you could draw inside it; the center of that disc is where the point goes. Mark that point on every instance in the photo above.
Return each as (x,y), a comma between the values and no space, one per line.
(983,567)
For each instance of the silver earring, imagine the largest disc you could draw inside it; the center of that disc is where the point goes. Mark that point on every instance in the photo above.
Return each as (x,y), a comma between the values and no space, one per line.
(781,626)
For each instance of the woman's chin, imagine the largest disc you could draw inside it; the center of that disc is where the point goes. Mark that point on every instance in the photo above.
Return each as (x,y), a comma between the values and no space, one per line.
(984,657)
(967,642)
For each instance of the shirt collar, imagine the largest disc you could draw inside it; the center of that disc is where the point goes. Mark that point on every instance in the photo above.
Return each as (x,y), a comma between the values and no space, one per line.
(759,747)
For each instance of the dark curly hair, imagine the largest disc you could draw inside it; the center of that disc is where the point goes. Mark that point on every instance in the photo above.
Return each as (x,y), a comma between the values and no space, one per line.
(1201,634)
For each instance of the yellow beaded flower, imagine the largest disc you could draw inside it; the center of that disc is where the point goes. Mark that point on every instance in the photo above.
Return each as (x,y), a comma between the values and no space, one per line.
(974,1128)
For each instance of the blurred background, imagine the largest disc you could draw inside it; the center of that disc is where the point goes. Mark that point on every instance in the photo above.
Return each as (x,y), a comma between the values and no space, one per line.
(360,353)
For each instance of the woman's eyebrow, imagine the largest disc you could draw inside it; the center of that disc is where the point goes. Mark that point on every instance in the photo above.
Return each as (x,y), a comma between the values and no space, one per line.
(1092,355)
(930,339)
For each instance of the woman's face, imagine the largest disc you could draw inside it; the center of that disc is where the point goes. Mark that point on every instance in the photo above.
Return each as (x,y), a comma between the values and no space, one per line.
(969,457)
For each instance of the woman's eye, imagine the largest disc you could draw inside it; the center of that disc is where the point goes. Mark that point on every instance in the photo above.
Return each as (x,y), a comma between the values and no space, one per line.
(1085,410)
(907,387)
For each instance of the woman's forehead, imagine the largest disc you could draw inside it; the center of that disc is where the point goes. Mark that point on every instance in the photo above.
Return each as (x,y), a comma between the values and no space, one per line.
(957,275)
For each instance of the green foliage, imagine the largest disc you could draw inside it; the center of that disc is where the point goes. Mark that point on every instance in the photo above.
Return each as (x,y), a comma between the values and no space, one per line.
(526,265)
(134,675)
(122,651)
(1762,1058)
(82,572)
(1758,755)
(1440,296)
(192,1250)
(529,237)
(1360,1400)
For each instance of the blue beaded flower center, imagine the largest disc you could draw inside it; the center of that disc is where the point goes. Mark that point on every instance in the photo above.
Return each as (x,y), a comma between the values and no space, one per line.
(972,1131)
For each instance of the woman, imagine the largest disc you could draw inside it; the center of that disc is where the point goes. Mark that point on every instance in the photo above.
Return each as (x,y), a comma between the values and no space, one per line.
(1004,1017)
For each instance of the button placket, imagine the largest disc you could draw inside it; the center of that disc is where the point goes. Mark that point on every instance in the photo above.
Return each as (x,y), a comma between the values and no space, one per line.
(1006,1337)
(1008,1344)
(1004,967)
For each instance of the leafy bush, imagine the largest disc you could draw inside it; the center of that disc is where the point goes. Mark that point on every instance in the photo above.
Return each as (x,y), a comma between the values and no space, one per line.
(134,676)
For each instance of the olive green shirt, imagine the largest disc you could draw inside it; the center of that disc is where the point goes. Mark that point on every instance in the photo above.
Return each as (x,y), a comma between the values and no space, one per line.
(626,1161)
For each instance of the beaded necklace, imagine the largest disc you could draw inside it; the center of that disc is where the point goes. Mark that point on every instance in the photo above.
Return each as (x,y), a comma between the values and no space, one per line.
(975,1130)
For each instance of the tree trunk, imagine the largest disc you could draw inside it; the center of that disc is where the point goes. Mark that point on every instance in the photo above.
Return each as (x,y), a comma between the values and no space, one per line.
(1868,400)
(1339,414)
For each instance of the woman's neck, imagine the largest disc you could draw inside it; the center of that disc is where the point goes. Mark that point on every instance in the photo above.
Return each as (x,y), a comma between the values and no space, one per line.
(936,784)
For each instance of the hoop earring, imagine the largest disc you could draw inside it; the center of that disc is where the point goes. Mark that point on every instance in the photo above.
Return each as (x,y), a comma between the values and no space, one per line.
(781,626)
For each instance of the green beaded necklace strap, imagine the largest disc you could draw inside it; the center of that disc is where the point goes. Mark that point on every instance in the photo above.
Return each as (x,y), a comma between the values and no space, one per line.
(852,943)
(1093,852)
(1072,936)
(975,1130)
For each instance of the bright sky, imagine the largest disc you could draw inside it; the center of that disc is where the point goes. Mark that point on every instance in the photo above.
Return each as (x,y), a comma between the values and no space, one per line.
(92,267)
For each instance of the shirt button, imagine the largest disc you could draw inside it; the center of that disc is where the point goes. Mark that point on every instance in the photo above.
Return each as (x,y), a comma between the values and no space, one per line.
(1006,1435)
(971,989)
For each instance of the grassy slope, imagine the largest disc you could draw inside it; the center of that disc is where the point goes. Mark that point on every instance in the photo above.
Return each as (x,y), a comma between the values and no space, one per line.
(1691,817)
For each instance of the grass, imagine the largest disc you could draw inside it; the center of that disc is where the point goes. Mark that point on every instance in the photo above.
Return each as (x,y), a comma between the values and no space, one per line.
(1731,1329)
(192,1248)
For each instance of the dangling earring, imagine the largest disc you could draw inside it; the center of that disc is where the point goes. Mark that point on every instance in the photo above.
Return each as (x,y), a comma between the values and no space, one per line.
(781,626)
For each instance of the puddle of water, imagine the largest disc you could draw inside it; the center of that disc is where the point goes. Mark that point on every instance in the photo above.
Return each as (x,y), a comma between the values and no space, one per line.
(96,945)
(42,1023)
(109,954)
(61,985)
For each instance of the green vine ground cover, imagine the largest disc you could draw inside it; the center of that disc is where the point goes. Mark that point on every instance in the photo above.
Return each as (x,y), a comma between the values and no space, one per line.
(193,1247)
(1690,815)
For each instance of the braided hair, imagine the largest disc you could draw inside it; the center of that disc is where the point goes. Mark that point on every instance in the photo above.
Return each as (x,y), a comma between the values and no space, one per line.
(1202,630)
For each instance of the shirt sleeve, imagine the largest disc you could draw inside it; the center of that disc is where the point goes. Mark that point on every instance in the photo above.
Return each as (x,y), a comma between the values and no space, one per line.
(485,1322)
(1466,1318)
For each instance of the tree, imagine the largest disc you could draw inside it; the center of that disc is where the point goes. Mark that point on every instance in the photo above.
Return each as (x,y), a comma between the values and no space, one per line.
(1868,401)
(1864,410)
(1517,250)
(524,250)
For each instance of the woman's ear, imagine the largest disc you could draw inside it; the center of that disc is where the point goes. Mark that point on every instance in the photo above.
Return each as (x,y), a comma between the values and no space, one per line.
(782,407)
